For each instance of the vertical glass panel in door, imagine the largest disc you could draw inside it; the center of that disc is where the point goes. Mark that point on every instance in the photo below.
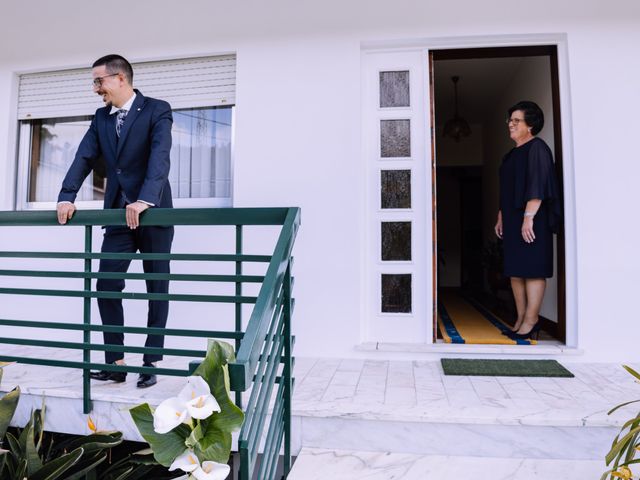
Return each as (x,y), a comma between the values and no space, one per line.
(396,293)
(395,138)
(394,89)
(396,241)
(395,189)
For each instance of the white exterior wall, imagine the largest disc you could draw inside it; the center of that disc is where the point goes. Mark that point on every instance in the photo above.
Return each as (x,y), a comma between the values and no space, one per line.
(298,130)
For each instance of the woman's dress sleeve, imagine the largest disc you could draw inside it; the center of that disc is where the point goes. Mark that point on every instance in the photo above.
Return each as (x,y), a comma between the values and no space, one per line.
(540,182)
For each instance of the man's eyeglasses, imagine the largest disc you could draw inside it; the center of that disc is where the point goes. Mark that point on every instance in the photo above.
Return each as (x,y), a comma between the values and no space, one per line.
(515,121)
(97,82)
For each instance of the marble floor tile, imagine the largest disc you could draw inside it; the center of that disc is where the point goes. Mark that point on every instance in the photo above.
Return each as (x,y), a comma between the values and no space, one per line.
(400,374)
(351,365)
(517,388)
(488,388)
(339,393)
(342,377)
(324,368)
(400,396)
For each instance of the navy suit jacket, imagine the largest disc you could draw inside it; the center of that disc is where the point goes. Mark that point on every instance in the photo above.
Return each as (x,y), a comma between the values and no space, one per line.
(137,163)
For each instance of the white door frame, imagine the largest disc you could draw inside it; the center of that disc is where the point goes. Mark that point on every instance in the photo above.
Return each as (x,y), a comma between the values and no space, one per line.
(419,328)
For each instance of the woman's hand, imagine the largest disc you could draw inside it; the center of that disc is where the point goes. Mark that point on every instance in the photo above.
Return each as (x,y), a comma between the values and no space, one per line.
(527,230)
(498,227)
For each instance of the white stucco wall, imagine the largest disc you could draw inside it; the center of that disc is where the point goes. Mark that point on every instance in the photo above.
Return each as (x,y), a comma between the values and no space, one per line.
(298,130)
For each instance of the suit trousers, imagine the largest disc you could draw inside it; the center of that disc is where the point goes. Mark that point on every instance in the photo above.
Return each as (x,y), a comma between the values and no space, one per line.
(121,239)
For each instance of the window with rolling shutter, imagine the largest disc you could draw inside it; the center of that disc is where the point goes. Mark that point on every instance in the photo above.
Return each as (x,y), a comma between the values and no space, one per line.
(55,109)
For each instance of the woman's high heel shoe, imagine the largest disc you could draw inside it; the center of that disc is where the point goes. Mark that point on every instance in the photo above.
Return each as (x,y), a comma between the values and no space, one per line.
(531,335)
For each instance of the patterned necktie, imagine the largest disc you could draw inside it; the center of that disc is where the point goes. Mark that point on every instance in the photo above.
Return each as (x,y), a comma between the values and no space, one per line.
(120,121)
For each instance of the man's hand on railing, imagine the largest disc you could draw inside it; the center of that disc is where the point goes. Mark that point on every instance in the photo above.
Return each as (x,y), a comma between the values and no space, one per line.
(133,213)
(65,211)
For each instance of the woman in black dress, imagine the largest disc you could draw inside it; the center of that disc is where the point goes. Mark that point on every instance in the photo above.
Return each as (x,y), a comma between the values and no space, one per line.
(529,214)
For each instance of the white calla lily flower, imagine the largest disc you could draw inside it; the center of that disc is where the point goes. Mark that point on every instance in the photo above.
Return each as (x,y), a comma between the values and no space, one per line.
(169,414)
(198,399)
(187,462)
(212,471)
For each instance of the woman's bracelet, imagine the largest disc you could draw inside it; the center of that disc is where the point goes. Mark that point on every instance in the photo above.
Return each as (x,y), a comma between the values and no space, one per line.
(529,214)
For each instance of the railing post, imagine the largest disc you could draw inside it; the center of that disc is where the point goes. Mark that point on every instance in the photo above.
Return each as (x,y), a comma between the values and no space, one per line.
(287,370)
(86,353)
(238,305)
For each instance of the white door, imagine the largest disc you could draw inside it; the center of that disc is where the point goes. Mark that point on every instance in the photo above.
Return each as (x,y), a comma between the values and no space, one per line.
(397,156)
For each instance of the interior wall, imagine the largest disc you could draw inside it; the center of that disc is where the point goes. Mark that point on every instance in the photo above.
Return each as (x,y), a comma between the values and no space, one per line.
(449,153)
(531,81)
(449,229)
(466,152)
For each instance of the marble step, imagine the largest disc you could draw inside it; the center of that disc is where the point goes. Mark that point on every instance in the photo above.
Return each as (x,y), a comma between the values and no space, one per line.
(320,464)
(417,438)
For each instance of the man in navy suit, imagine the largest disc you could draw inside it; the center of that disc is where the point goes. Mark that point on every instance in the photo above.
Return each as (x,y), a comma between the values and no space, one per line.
(132,133)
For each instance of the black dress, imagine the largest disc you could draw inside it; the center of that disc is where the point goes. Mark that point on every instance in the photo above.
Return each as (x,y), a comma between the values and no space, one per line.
(527,172)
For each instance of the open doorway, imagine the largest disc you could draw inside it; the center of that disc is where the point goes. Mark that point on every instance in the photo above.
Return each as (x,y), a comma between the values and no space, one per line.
(470,288)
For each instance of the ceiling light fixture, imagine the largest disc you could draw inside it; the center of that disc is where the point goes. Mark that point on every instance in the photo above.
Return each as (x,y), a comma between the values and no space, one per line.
(457,127)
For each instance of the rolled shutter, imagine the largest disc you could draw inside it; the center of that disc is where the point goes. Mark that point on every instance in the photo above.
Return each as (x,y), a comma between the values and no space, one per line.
(185,83)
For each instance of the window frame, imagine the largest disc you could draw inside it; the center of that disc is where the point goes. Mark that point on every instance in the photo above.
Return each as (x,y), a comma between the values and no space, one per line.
(24,150)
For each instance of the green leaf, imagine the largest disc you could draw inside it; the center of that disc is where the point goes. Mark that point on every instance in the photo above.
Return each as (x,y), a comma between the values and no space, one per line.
(82,468)
(215,371)
(196,436)
(8,405)
(31,451)
(38,426)
(14,446)
(631,371)
(135,473)
(621,405)
(124,475)
(218,448)
(57,467)
(166,446)
(21,469)
(94,442)
(621,444)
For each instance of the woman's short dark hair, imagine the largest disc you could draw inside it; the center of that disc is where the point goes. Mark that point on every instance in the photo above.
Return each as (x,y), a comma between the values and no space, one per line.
(116,64)
(533,115)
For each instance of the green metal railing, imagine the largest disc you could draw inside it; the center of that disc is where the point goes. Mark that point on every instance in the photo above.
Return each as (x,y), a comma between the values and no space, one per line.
(264,363)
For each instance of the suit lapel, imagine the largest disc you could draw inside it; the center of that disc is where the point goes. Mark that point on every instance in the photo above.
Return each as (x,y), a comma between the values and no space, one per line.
(132,116)
(110,134)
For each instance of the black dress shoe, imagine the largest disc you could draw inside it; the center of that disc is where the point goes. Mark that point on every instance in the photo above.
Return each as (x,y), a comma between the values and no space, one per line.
(104,375)
(146,380)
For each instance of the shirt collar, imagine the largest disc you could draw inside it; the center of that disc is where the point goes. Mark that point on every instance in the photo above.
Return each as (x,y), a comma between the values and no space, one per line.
(126,106)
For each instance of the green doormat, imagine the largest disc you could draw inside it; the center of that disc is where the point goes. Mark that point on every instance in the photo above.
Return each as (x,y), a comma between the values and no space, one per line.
(504,368)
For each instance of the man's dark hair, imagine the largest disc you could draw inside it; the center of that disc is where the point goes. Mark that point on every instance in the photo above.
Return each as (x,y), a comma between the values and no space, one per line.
(116,64)
(533,115)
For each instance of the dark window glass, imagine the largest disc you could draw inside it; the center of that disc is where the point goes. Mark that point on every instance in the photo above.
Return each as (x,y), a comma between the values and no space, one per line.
(396,293)
(394,89)
(395,188)
(396,241)
(395,138)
